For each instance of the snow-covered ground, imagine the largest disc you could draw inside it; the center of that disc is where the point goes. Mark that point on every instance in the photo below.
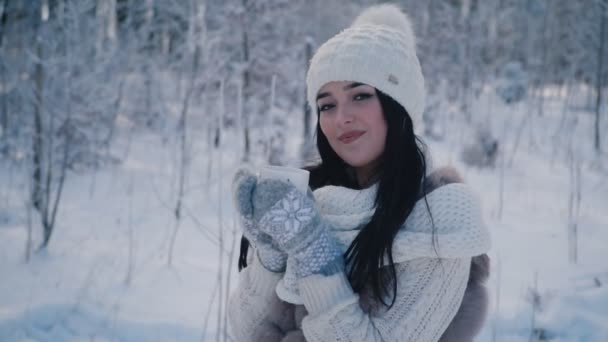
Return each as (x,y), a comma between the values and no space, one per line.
(105,275)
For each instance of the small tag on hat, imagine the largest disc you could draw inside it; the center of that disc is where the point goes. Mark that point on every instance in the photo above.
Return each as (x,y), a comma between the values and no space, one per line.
(393,79)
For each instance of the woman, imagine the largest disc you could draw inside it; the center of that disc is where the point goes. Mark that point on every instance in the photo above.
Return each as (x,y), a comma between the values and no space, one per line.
(379,251)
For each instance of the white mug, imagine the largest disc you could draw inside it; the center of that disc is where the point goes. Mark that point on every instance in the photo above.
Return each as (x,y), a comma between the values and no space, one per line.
(295,176)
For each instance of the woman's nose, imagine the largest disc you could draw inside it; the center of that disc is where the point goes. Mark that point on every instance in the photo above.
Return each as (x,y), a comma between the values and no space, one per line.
(345,115)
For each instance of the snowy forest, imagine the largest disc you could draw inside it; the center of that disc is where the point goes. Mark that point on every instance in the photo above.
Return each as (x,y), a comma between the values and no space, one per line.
(123,121)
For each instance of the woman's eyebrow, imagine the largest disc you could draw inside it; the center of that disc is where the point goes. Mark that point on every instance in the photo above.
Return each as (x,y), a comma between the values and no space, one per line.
(352,85)
(346,87)
(322,95)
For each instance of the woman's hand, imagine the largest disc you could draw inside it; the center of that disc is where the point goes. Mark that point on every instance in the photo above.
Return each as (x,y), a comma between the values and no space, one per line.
(295,224)
(243,188)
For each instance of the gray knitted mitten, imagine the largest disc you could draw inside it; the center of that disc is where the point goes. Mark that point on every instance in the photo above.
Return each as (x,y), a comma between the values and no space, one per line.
(269,254)
(295,225)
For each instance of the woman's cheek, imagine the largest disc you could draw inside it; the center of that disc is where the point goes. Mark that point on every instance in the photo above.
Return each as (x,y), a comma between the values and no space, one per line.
(327,128)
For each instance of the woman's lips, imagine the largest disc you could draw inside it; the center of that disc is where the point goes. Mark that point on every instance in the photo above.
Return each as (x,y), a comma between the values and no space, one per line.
(351,136)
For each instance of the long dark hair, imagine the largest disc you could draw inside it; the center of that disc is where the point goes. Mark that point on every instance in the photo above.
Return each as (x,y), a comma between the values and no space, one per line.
(401,182)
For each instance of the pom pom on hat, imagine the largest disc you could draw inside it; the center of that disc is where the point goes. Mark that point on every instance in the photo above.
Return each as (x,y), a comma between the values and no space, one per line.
(389,15)
(379,50)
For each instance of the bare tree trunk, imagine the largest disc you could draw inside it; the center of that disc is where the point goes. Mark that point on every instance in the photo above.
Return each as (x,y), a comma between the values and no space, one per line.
(148,91)
(498,272)
(177,211)
(246,119)
(535,299)
(558,136)
(574,199)
(501,191)
(183,130)
(542,77)
(306,148)
(210,158)
(208,313)
(4,110)
(219,119)
(116,108)
(467,7)
(235,239)
(146,69)
(37,187)
(239,108)
(222,333)
(600,77)
(246,76)
(131,258)
(100,16)
(29,241)
(220,277)
(307,109)
(112,22)
(520,129)
(48,218)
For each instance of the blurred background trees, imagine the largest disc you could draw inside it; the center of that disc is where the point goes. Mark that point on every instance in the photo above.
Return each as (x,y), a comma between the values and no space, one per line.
(75,76)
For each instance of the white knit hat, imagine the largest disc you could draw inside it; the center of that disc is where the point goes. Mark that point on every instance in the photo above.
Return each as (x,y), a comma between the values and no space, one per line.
(378,49)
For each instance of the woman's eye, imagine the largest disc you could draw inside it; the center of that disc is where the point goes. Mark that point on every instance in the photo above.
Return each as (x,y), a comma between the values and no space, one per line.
(362,96)
(325,107)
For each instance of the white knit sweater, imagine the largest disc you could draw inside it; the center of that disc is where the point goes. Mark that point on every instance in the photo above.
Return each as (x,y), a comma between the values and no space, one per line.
(431,278)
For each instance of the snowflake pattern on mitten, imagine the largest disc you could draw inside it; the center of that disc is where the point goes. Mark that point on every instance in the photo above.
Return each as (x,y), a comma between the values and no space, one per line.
(287,218)
(295,225)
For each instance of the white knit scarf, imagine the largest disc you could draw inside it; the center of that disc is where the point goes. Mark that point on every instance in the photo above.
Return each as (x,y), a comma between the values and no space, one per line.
(456,214)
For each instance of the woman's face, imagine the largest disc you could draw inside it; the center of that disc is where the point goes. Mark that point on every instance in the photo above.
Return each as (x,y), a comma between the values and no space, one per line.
(350,116)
